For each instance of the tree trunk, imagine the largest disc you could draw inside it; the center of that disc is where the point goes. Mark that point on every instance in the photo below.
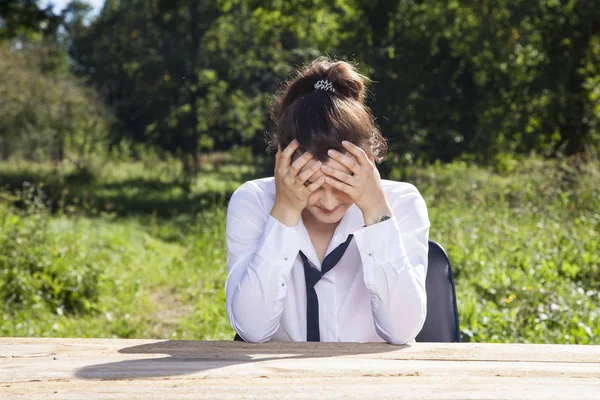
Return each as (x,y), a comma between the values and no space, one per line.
(194,136)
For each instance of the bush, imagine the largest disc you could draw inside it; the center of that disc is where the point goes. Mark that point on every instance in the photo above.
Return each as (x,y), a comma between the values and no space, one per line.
(45,112)
(524,247)
(37,271)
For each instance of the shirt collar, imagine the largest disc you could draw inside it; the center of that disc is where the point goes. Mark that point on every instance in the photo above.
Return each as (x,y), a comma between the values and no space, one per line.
(350,223)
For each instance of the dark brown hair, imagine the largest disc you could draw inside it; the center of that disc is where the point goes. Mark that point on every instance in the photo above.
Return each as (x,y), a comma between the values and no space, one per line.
(320,120)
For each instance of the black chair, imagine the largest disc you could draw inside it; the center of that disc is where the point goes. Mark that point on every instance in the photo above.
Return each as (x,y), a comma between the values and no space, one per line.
(441,323)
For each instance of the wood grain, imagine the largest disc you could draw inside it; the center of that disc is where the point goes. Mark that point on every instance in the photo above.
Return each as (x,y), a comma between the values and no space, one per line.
(32,368)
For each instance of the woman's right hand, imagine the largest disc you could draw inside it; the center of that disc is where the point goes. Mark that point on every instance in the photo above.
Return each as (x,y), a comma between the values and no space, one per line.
(292,192)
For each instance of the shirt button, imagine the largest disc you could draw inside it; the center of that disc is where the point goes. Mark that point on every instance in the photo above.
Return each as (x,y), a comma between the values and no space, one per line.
(285,258)
(370,254)
(283,284)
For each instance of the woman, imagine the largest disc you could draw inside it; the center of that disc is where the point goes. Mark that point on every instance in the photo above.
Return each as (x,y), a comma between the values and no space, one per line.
(326,250)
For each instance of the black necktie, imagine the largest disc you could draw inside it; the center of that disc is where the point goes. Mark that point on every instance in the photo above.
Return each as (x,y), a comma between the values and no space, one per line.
(313,276)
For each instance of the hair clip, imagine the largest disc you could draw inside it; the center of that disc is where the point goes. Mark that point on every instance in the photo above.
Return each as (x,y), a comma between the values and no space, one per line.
(325,85)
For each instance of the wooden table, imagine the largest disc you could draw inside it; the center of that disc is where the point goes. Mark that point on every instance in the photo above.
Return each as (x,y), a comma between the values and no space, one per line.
(151,369)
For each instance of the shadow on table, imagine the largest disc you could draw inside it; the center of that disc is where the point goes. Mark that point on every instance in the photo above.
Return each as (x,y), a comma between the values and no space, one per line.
(187,356)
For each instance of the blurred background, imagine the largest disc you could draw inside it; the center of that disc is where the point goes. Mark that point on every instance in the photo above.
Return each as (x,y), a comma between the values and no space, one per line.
(126,125)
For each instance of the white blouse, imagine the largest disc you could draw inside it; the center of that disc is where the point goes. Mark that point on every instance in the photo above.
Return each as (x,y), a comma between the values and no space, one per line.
(375,293)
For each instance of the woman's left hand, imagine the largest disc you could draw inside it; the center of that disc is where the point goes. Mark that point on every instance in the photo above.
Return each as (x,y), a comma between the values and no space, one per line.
(363,185)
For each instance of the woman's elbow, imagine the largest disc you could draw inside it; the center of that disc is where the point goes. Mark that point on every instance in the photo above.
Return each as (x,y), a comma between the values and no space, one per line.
(406,333)
(406,327)
(252,336)
(249,325)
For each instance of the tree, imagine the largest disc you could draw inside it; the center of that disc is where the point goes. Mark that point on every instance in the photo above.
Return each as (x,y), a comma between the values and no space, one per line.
(457,79)
(205,70)
(26,17)
(47,113)
(477,79)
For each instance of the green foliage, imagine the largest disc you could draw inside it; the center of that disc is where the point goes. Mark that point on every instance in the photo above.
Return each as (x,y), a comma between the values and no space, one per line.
(131,242)
(481,78)
(38,271)
(26,18)
(524,247)
(522,238)
(205,82)
(453,80)
(154,275)
(45,112)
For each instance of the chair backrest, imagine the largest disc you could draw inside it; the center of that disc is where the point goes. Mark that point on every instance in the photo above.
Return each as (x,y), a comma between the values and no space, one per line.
(441,323)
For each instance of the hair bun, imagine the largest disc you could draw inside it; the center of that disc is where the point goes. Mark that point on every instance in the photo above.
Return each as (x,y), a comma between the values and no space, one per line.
(323,106)
(344,77)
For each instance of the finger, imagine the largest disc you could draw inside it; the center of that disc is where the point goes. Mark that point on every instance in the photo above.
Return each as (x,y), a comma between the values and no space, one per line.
(314,177)
(308,172)
(357,152)
(316,184)
(299,163)
(349,190)
(341,176)
(290,149)
(349,161)
(287,153)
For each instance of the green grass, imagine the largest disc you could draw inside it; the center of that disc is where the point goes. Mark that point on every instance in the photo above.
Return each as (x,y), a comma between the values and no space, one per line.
(524,247)
(131,251)
(156,246)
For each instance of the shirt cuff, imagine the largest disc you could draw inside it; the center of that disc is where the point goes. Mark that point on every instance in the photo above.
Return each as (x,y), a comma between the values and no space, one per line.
(279,244)
(379,244)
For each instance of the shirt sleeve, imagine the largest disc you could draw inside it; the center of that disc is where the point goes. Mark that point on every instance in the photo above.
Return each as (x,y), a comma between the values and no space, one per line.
(394,255)
(260,254)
